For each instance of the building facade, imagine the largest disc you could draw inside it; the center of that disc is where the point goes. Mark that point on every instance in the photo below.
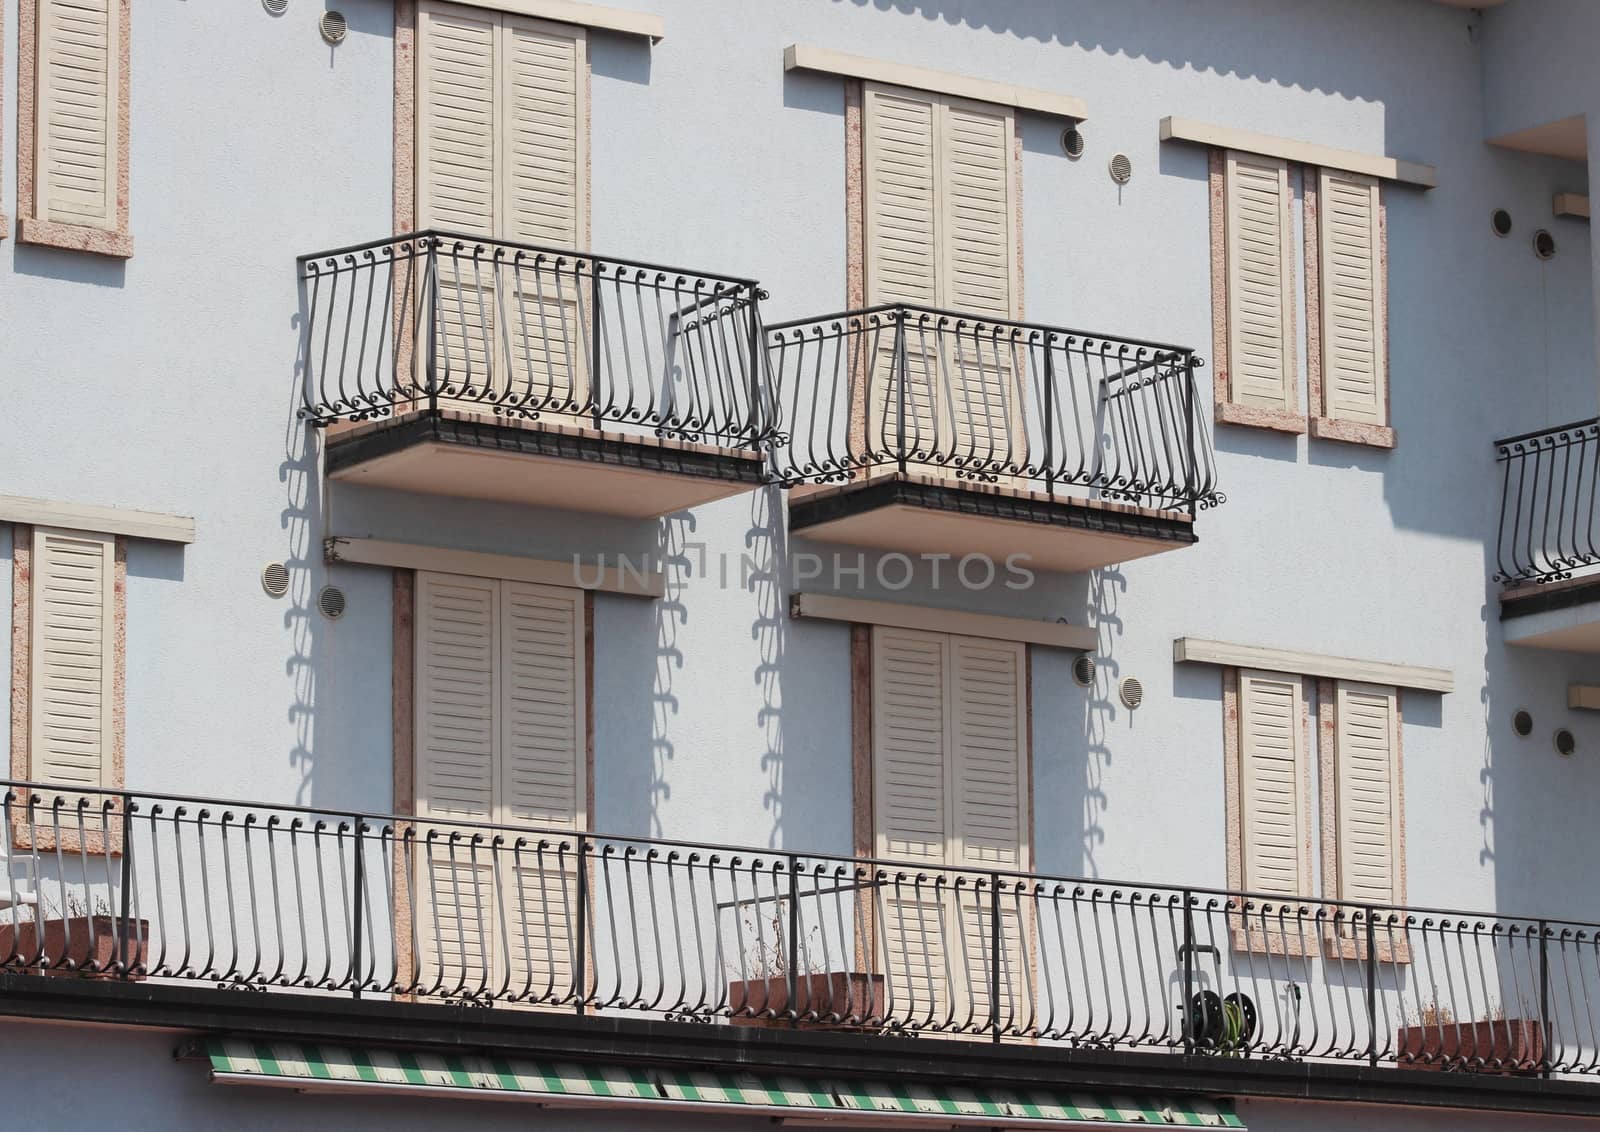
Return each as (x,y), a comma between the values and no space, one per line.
(890,564)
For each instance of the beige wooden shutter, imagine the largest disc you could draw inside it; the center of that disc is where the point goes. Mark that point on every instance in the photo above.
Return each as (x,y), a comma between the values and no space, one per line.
(1273,785)
(900,193)
(457,627)
(77,106)
(541,779)
(977,208)
(911,817)
(72,665)
(457,123)
(1260,274)
(1354,355)
(542,132)
(988,792)
(1367,730)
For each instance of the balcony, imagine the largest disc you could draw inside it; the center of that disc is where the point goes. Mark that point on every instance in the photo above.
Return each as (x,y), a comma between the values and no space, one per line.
(460,366)
(927,431)
(344,919)
(1547,550)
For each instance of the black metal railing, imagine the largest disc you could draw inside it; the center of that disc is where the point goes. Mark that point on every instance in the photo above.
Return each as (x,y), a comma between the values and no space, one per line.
(989,400)
(436,320)
(1548,506)
(294,900)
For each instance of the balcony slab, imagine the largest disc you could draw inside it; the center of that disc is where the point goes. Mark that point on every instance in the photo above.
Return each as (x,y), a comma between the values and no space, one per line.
(1561,615)
(919,514)
(544,464)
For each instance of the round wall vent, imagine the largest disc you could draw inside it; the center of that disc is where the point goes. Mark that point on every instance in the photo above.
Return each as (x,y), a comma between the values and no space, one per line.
(275,7)
(1072,142)
(331,602)
(1500,221)
(275,579)
(1544,244)
(334,27)
(1522,723)
(1121,168)
(1131,692)
(1083,670)
(1566,742)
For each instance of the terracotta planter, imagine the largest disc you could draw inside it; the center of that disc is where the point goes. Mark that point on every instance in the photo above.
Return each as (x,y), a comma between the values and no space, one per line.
(1506,1045)
(83,941)
(855,997)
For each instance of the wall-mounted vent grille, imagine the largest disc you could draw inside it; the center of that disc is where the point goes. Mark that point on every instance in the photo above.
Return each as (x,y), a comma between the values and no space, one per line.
(1566,743)
(1131,692)
(1083,670)
(1500,222)
(1121,168)
(331,602)
(1522,723)
(275,579)
(334,27)
(275,7)
(1544,244)
(1072,142)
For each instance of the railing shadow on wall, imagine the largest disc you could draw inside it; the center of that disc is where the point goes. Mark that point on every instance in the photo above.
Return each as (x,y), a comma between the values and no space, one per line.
(1549,504)
(173,890)
(988,401)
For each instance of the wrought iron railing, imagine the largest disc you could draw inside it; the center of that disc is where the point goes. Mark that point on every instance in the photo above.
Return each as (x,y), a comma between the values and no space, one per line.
(435,320)
(1036,407)
(294,900)
(1548,506)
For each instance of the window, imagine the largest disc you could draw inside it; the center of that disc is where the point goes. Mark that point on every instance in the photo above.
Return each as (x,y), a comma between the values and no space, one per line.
(73,149)
(1349,376)
(69,640)
(949,772)
(500,739)
(1269,795)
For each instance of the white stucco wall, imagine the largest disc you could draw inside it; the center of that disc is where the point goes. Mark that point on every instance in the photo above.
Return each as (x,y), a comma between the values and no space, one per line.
(168,383)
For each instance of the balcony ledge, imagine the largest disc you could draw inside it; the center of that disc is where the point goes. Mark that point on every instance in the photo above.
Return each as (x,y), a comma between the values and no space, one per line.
(562,466)
(924,514)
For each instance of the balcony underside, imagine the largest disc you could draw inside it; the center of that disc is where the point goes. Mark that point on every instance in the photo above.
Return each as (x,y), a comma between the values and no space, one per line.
(917,514)
(1562,615)
(562,466)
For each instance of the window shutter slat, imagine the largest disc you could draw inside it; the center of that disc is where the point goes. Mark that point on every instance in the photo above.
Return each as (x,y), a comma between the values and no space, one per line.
(76,131)
(1272,784)
(1260,273)
(1367,738)
(72,665)
(1353,351)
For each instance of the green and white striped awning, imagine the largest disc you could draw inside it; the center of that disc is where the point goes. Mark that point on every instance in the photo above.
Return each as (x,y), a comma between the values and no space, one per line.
(324,1068)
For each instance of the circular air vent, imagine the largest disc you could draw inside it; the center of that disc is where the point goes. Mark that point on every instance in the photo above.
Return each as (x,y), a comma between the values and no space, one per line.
(1121,168)
(331,602)
(1072,142)
(1522,723)
(1083,670)
(1544,244)
(334,27)
(1566,742)
(1500,221)
(275,7)
(275,579)
(1131,692)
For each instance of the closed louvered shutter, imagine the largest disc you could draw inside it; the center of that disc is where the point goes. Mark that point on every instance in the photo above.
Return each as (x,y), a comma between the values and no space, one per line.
(77,107)
(1273,785)
(73,662)
(1260,274)
(457,624)
(1354,361)
(988,757)
(541,779)
(1368,744)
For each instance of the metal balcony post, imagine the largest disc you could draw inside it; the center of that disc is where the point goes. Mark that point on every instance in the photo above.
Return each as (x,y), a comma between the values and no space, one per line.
(1191,470)
(1188,971)
(1544,999)
(594,342)
(900,373)
(581,968)
(127,882)
(1372,993)
(994,954)
(1049,417)
(431,293)
(359,885)
(794,944)
(757,361)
